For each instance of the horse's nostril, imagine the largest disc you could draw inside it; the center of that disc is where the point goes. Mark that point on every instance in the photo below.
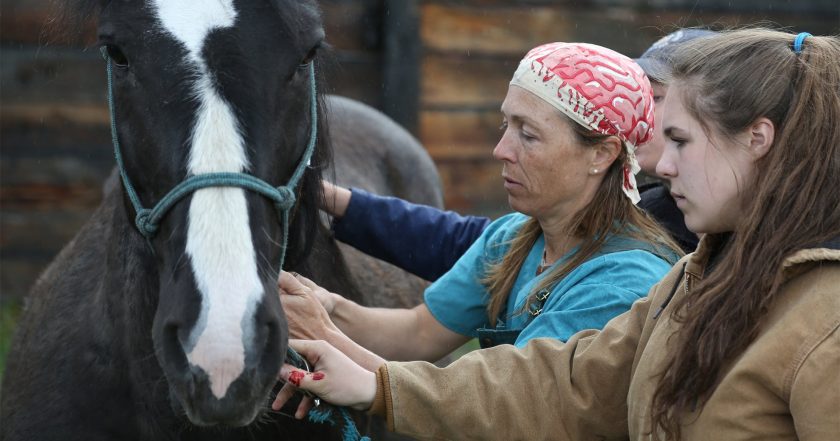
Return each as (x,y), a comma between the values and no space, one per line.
(191,383)
(173,348)
(272,342)
(273,338)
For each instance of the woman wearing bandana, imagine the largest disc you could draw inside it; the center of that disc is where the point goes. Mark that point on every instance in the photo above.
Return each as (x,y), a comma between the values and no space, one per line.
(739,341)
(575,253)
(427,241)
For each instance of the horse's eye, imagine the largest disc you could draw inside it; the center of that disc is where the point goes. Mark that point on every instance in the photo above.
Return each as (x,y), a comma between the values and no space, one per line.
(309,57)
(116,55)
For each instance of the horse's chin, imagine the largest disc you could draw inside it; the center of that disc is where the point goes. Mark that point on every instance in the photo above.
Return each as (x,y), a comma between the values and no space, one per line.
(204,411)
(204,418)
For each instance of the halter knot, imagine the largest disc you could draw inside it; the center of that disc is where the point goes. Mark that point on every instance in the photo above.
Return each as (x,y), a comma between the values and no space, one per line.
(143,223)
(285,198)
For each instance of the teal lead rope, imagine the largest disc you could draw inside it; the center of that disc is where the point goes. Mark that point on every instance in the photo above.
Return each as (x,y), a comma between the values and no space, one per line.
(148,220)
(326,413)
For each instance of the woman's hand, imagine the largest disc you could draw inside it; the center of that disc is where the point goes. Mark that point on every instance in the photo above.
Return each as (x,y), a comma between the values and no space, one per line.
(306,306)
(336,199)
(335,378)
(295,284)
(303,302)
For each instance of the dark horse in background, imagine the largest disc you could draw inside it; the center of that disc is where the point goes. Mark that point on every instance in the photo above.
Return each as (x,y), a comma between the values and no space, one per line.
(182,337)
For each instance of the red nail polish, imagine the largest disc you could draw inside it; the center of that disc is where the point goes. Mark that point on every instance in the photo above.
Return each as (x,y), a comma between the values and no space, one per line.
(295,377)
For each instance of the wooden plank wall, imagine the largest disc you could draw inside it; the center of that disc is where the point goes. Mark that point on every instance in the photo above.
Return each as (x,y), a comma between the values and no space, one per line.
(55,147)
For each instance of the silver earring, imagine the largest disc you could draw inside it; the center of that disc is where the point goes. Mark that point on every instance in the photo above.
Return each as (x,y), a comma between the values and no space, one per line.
(594,171)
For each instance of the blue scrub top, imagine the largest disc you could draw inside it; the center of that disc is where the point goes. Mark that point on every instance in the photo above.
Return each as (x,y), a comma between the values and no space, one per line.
(587,298)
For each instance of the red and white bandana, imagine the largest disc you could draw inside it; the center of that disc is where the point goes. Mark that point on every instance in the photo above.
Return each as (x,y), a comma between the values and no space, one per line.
(596,87)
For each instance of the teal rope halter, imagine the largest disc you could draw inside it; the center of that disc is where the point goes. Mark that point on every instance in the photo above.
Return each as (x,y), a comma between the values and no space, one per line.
(147,220)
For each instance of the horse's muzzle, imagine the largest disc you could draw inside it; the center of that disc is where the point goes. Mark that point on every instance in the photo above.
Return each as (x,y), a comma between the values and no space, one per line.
(239,407)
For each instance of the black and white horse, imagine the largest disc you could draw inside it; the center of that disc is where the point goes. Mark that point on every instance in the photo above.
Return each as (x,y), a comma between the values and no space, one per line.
(181,335)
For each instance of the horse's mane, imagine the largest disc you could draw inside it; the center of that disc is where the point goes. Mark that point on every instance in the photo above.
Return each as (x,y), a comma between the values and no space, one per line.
(310,192)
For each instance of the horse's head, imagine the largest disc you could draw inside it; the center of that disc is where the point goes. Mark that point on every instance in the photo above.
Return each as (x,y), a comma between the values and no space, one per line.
(211,87)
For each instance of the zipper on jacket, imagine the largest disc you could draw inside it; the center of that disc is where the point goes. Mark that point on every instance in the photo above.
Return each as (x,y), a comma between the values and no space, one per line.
(671,294)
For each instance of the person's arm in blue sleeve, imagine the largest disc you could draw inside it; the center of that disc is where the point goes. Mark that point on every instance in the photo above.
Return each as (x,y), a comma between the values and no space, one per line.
(420,239)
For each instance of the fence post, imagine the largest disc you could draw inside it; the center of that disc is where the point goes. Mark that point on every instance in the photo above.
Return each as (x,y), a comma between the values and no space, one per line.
(401,62)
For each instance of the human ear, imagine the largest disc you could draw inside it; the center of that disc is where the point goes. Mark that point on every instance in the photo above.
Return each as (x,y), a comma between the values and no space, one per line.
(605,153)
(761,132)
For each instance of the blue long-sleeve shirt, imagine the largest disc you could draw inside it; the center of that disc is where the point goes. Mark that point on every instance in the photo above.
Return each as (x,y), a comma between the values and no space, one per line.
(422,240)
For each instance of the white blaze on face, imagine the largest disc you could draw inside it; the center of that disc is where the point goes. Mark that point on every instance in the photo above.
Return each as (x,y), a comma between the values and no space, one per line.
(218,237)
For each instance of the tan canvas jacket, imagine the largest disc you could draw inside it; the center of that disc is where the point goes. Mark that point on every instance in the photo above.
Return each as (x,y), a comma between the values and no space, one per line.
(599,385)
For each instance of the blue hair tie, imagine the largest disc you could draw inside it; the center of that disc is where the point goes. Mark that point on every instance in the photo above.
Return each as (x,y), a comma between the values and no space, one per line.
(797,43)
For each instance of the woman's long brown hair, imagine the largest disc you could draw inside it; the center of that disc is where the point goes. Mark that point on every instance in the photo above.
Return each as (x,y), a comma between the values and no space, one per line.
(729,81)
(610,213)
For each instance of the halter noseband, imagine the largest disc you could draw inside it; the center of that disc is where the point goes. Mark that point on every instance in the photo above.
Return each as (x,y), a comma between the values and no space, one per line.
(147,220)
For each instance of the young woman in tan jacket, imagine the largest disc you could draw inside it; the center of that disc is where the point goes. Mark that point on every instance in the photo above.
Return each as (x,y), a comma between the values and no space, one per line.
(741,340)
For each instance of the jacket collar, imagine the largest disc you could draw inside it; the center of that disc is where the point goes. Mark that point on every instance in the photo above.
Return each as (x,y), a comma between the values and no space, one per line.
(696,264)
(799,261)
(826,251)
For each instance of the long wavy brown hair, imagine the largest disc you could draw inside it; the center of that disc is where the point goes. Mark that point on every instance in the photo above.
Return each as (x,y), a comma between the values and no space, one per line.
(610,213)
(729,81)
